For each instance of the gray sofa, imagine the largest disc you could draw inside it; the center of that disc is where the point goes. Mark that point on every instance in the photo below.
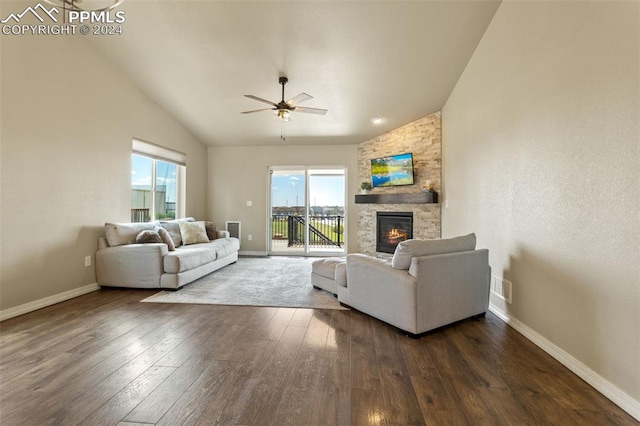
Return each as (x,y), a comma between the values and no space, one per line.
(121,262)
(427,284)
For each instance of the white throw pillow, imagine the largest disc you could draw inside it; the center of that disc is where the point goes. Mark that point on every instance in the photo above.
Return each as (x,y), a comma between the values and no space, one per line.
(193,232)
(409,249)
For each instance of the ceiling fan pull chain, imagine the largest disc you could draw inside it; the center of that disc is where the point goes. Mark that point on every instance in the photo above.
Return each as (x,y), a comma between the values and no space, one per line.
(282,135)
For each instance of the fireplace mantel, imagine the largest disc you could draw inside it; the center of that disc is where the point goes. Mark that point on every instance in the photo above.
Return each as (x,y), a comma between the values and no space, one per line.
(409,198)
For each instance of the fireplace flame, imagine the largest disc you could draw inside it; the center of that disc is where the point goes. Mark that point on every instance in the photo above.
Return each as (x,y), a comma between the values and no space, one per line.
(395,235)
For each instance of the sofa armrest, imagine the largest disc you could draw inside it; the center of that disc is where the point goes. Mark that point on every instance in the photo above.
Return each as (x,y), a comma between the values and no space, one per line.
(223,234)
(132,265)
(102,243)
(451,286)
(381,291)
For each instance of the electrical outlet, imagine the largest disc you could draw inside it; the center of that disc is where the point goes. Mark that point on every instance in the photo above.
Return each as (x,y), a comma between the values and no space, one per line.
(250,237)
(249,203)
(501,288)
(87,261)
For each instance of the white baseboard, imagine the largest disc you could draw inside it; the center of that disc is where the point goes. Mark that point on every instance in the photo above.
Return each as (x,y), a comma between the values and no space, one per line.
(598,382)
(47,301)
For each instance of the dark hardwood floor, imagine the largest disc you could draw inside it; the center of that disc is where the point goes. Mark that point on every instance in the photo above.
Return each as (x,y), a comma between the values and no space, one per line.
(107,359)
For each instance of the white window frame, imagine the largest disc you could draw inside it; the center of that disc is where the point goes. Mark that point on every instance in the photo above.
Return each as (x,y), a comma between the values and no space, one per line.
(307,170)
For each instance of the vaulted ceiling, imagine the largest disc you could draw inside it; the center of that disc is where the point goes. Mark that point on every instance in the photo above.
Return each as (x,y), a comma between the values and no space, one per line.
(398,60)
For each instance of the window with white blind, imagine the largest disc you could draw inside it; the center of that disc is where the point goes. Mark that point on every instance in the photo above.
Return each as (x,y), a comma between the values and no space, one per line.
(157,182)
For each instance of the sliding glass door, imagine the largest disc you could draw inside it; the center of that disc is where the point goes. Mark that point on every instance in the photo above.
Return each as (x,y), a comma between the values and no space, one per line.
(326,189)
(307,210)
(288,211)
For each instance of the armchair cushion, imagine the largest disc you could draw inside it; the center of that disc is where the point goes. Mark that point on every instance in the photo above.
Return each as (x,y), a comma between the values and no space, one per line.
(408,249)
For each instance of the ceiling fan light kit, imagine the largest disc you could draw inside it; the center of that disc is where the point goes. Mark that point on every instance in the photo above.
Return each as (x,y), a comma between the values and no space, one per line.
(283,109)
(282,114)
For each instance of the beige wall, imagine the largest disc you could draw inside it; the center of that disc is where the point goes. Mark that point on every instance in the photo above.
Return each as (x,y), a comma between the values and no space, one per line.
(68,117)
(541,159)
(239,174)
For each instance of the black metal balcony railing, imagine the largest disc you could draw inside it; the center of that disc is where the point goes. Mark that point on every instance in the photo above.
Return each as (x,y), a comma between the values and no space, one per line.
(324,231)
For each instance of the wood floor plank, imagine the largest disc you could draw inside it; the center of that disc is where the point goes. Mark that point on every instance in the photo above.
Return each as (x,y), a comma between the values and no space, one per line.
(196,342)
(267,390)
(367,400)
(76,379)
(433,397)
(165,396)
(99,363)
(296,405)
(129,397)
(317,331)
(302,317)
(339,337)
(364,364)
(90,400)
(271,329)
(107,358)
(253,357)
(331,404)
(209,389)
(368,407)
(459,379)
(438,408)
(400,398)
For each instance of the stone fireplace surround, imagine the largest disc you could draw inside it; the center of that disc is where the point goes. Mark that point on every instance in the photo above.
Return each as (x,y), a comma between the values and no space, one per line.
(423,139)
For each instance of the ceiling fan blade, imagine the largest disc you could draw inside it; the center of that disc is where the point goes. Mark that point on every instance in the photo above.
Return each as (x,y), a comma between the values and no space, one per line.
(256,110)
(261,100)
(297,100)
(311,110)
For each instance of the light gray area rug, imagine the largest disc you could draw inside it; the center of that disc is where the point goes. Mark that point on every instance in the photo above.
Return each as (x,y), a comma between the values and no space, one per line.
(271,281)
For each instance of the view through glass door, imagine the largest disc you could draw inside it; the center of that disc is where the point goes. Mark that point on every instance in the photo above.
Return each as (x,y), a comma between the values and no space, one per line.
(307,210)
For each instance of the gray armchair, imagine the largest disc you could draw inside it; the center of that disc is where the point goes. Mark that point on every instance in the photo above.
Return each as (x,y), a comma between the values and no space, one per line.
(428,284)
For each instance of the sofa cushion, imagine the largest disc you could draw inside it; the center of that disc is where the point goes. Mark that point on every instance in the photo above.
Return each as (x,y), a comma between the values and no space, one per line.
(409,249)
(326,267)
(119,234)
(173,226)
(193,233)
(225,246)
(189,257)
(148,236)
(166,237)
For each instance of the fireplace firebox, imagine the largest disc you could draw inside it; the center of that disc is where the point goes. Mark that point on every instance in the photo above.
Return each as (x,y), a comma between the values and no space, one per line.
(391,229)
